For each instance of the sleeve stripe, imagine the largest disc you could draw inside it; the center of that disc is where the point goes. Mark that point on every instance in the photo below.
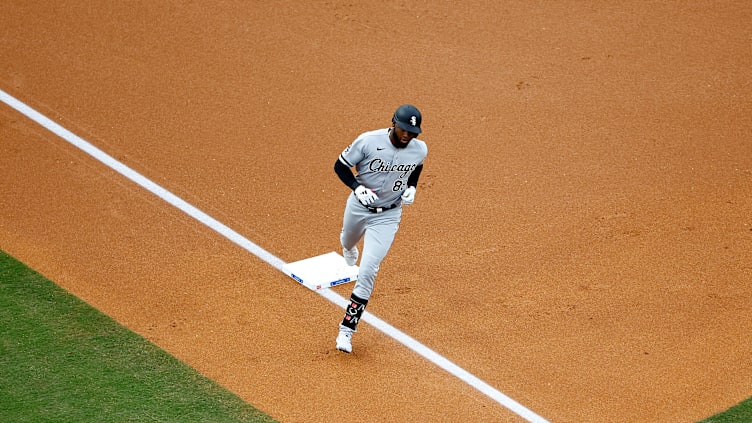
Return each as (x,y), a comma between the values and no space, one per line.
(344,161)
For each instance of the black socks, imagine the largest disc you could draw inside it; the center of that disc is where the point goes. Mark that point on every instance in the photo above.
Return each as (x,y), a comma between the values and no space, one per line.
(354,311)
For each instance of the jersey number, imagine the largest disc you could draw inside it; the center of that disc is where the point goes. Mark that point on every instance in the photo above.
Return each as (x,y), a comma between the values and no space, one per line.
(398,185)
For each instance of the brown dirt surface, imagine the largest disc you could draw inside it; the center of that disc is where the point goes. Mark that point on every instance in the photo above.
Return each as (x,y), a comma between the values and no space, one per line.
(581,237)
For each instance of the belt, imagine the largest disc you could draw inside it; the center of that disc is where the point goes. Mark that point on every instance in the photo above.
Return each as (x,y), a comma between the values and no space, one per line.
(381,209)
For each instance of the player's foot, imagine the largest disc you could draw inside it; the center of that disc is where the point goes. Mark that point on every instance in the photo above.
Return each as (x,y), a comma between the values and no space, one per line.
(344,340)
(351,255)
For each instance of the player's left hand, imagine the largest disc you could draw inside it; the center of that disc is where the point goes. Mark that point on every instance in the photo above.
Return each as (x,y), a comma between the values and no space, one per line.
(408,197)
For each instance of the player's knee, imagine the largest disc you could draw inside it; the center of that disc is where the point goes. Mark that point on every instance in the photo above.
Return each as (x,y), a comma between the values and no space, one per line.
(369,267)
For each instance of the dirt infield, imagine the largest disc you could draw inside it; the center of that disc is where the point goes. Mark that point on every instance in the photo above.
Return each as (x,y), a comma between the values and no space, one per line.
(581,237)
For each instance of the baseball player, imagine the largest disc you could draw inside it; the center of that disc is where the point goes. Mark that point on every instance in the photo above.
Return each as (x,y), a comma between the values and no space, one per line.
(388,163)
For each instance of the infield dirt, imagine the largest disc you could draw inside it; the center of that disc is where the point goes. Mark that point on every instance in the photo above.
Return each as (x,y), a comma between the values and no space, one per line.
(581,237)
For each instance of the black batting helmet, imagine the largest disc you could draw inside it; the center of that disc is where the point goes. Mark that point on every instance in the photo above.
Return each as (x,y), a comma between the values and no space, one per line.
(408,117)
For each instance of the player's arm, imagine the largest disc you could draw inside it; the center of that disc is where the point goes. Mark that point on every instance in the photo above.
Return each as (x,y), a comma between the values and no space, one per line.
(408,197)
(345,174)
(365,195)
(412,180)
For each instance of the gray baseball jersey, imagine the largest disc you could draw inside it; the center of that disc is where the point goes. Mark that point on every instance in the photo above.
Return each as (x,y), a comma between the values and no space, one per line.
(381,166)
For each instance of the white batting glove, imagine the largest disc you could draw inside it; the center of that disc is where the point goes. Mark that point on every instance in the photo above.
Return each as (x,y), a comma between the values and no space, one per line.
(408,197)
(365,195)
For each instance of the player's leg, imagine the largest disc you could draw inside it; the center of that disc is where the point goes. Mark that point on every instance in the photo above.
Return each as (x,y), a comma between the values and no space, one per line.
(353,227)
(379,235)
(349,324)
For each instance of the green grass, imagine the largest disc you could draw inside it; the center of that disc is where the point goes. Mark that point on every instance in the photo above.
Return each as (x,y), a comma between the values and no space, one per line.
(63,361)
(741,412)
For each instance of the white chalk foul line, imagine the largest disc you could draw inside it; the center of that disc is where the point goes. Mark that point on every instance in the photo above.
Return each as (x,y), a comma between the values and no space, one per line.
(266,256)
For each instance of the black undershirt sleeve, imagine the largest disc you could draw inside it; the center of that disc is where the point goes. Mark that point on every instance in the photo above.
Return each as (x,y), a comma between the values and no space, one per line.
(345,175)
(412,181)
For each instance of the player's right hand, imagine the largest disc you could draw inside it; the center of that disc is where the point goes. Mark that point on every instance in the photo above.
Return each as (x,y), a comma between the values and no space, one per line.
(365,195)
